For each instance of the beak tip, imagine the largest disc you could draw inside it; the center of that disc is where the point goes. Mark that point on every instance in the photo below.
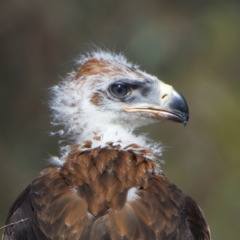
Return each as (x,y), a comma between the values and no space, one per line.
(185,123)
(185,120)
(179,106)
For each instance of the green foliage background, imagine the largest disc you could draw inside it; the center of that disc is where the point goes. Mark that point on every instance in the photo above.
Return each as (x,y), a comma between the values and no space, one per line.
(192,45)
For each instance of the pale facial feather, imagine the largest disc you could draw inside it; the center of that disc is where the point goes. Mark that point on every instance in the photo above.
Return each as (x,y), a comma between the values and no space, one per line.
(83,105)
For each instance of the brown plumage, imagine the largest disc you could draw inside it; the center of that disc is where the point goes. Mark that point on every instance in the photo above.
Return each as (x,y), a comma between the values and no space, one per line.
(112,191)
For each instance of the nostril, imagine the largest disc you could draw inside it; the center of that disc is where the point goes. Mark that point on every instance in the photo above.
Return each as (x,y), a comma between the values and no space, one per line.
(164,96)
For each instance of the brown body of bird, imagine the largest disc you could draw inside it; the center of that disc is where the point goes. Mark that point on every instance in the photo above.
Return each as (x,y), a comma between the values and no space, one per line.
(107,184)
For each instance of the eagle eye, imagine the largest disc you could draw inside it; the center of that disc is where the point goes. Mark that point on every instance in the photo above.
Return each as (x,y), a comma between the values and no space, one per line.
(119,90)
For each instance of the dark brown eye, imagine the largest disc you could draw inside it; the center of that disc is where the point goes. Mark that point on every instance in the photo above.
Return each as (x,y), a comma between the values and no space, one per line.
(119,90)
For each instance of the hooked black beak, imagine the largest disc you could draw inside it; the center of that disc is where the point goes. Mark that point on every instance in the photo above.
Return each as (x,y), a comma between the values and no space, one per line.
(173,106)
(176,108)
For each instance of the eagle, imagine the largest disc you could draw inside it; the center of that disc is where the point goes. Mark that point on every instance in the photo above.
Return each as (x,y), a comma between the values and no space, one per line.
(107,183)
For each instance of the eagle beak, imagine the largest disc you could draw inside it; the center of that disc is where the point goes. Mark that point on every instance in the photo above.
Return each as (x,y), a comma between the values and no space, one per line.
(172,106)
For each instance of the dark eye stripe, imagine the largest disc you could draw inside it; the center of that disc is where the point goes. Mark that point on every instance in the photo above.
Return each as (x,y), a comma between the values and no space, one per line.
(119,90)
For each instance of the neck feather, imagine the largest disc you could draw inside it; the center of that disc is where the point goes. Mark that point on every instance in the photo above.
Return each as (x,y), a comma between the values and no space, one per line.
(111,136)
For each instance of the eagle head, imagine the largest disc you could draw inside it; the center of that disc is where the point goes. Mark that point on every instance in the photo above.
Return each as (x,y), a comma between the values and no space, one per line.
(108,97)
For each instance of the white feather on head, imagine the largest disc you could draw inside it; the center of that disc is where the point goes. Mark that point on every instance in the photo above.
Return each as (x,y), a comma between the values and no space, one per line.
(82,104)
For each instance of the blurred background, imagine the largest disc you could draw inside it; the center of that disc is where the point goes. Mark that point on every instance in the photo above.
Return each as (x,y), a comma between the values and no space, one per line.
(192,45)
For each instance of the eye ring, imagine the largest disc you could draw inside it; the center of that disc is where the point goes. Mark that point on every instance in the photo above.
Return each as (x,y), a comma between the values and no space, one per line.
(119,90)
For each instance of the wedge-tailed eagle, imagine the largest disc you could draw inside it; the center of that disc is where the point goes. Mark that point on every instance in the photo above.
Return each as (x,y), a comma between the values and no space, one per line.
(108,183)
